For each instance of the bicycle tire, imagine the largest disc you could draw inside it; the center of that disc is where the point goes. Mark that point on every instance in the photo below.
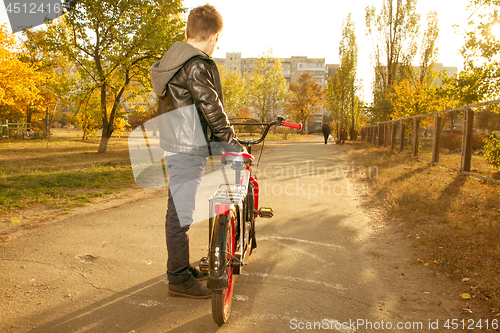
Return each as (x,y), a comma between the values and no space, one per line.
(250,219)
(222,299)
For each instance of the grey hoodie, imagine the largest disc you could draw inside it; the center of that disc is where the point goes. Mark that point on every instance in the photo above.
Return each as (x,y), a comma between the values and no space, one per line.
(165,69)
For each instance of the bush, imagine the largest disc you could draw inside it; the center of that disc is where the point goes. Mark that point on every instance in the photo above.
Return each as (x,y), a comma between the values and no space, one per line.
(492,150)
(284,132)
(478,141)
(451,141)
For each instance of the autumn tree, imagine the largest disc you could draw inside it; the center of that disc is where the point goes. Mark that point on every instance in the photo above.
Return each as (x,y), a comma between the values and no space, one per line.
(245,116)
(394,31)
(344,104)
(267,87)
(233,90)
(418,93)
(19,81)
(59,73)
(307,96)
(480,79)
(113,43)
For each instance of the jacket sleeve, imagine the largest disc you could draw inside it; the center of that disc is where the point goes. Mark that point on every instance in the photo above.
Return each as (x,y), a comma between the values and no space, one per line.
(201,85)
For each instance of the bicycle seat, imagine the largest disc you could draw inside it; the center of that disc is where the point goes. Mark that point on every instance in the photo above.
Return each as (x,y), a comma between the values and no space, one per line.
(236,157)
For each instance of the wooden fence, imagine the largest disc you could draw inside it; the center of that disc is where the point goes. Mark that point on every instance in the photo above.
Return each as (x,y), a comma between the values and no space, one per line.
(384,135)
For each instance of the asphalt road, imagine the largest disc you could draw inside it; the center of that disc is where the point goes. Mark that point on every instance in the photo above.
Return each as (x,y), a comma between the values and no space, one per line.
(325,262)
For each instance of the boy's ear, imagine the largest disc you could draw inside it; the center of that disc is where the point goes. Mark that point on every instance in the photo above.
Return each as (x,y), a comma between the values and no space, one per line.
(214,38)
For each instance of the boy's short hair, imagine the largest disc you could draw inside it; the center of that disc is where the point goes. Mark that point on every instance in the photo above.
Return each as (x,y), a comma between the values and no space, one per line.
(202,22)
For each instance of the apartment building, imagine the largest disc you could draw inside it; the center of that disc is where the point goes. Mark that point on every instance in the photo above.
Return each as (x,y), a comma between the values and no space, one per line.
(292,69)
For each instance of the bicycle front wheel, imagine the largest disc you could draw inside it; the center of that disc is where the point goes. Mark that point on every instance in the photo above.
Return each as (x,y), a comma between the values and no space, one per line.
(222,299)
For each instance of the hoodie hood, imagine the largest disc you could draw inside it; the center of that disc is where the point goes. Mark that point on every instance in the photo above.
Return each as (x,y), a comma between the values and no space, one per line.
(165,69)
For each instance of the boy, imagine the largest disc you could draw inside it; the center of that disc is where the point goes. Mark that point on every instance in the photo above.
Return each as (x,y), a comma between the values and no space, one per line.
(187,81)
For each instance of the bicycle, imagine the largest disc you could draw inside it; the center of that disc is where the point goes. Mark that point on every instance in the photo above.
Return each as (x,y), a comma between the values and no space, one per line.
(233,210)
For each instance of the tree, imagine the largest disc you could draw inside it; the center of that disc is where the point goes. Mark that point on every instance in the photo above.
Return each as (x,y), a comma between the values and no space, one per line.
(59,73)
(234,91)
(113,44)
(19,81)
(429,50)
(344,105)
(394,32)
(307,96)
(267,88)
(480,79)
(417,94)
(245,115)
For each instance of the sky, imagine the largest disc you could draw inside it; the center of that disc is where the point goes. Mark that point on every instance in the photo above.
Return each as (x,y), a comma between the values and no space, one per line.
(313,28)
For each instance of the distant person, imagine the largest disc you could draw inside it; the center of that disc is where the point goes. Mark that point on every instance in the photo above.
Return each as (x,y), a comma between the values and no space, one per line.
(326,131)
(188,83)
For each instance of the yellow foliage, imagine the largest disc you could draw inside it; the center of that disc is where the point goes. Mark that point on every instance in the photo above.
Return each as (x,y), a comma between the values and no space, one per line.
(415,98)
(120,124)
(19,81)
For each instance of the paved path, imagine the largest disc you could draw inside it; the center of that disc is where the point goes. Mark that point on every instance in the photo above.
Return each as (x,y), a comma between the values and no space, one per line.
(325,257)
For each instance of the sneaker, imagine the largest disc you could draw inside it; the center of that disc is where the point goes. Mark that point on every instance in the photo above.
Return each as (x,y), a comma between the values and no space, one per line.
(191,288)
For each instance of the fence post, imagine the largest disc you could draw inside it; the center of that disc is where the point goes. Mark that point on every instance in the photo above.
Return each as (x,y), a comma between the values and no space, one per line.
(416,126)
(373,134)
(388,134)
(393,134)
(380,134)
(385,134)
(467,140)
(402,141)
(436,141)
(7,127)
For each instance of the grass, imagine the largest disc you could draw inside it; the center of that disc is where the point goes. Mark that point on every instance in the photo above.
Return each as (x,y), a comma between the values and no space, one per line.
(61,171)
(453,219)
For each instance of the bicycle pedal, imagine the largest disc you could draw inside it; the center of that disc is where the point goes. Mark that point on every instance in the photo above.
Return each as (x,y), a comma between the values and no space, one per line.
(204,265)
(265,212)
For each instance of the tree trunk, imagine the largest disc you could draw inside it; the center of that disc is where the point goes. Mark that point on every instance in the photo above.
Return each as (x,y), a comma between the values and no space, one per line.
(103,145)
(29,114)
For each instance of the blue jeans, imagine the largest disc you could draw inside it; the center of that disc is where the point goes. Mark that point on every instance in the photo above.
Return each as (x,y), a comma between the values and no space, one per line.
(185,178)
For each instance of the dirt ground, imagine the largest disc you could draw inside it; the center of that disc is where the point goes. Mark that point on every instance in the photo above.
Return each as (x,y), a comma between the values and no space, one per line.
(327,261)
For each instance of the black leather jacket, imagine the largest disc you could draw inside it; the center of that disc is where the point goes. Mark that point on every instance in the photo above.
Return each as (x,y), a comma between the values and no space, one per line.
(189,88)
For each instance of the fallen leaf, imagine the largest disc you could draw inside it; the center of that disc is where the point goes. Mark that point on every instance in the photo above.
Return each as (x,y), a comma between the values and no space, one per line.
(434,262)
(420,260)
(465,280)
(401,224)
(15,221)
(426,264)
(465,296)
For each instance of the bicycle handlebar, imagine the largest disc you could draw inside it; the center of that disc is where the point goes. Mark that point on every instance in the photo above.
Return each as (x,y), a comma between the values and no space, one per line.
(280,121)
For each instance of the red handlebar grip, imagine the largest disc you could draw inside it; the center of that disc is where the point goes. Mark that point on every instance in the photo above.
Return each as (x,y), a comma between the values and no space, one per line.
(291,125)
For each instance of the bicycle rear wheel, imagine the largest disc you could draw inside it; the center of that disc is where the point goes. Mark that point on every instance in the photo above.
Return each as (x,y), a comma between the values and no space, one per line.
(222,299)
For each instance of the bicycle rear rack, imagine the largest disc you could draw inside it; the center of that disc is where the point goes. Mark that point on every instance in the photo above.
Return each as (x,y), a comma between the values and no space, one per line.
(229,194)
